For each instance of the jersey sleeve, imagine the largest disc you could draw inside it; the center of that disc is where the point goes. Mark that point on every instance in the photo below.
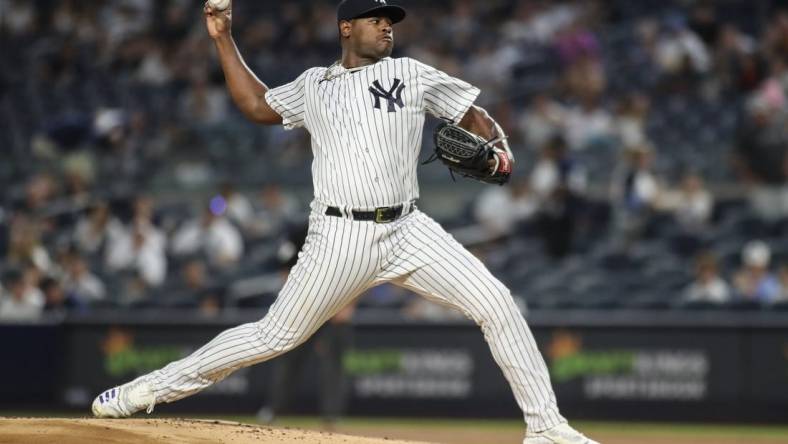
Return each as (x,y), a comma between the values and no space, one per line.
(289,101)
(446,97)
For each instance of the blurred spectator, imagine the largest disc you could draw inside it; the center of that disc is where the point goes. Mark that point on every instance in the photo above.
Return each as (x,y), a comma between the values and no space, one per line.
(738,65)
(762,158)
(556,169)
(239,209)
(783,276)
(118,153)
(79,283)
(22,300)
(630,120)
(544,118)
(586,81)
(634,194)
(559,183)
(39,193)
(691,204)
(196,286)
(205,102)
(155,69)
(273,211)
(704,22)
(501,209)
(754,281)
(210,234)
(776,36)
(588,123)
(679,51)
(78,174)
(539,22)
(94,230)
(575,43)
(18,17)
(140,247)
(492,53)
(708,285)
(25,245)
(54,296)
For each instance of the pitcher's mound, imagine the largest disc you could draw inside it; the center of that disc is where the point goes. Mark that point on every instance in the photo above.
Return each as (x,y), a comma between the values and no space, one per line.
(156,431)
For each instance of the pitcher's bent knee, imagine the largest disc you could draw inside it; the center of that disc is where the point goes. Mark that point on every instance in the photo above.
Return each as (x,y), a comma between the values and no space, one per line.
(279,338)
(498,307)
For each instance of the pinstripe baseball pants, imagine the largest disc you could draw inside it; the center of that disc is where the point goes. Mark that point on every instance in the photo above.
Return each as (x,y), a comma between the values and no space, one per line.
(340,260)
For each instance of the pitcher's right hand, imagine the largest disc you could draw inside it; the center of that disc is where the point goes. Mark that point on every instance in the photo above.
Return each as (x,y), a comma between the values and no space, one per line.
(218,22)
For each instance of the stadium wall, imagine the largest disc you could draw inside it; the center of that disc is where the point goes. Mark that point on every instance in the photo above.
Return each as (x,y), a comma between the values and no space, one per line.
(620,365)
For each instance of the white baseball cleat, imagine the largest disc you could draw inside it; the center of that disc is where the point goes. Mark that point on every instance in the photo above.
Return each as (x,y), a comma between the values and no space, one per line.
(125,400)
(560,434)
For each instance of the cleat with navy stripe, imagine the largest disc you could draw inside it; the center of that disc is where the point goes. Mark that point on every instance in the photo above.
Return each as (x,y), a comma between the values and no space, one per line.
(125,400)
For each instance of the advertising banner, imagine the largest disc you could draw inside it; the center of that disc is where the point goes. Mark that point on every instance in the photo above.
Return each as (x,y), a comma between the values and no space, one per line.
(413,369)
(101,356)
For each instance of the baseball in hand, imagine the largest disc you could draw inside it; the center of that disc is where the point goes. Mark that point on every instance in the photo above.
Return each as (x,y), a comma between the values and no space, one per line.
(219,5)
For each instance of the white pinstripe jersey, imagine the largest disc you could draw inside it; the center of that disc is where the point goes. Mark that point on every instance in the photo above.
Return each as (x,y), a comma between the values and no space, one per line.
(366,126)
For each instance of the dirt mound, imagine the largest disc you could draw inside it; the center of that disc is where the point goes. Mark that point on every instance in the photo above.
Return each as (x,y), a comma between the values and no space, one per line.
(156,431)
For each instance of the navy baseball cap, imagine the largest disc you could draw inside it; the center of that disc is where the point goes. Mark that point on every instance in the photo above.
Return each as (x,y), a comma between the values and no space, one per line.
(353,9)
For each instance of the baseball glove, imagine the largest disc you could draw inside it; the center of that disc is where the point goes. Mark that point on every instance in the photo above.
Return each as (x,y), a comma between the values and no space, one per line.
(470,155)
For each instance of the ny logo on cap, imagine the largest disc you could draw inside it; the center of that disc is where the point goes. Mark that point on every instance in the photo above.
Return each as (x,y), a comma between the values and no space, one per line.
(393,95)
(382,2)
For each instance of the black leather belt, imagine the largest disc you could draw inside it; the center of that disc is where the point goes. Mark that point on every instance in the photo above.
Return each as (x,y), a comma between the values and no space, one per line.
(383,215)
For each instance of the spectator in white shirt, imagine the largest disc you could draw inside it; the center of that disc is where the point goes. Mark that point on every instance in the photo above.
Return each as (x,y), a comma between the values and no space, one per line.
(634,194)
(22,301)
(755,281)
(692,204)
(212,235)
(239,209)
(544,118)
(708,286)
(556,170)
(588,123)
(25,246)
(139,248)
(93,230)
(79,283)
(679,50)
(500,209)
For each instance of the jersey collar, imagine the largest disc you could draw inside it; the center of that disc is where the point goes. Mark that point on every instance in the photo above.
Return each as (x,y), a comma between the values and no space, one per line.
(337,70)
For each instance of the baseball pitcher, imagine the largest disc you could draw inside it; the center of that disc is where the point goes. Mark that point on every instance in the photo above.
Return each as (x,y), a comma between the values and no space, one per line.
(365,114)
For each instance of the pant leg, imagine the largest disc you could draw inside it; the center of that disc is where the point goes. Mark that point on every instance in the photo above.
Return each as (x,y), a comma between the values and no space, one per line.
(335,266)
(432,263)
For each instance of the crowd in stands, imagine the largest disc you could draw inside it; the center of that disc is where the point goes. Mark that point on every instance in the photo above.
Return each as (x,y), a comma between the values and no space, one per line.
(650,136)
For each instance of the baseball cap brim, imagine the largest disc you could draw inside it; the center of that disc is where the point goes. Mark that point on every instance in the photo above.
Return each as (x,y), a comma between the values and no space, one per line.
(395,13)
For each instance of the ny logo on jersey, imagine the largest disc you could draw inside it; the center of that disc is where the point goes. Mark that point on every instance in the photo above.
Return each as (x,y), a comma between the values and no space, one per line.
(393,95)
